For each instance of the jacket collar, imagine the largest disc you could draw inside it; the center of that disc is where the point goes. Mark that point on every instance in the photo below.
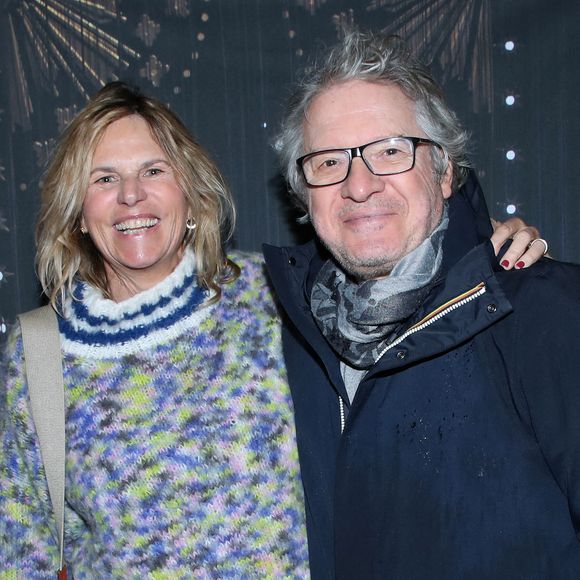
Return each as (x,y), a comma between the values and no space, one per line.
(469,223)
(291,269)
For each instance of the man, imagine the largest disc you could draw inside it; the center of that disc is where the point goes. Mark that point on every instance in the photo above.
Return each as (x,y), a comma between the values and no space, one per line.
(437,396)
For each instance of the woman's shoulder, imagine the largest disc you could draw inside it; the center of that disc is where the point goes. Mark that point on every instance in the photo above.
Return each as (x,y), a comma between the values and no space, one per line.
(13,388)
(11,347)
(252,269)
(249,260)
(252,288)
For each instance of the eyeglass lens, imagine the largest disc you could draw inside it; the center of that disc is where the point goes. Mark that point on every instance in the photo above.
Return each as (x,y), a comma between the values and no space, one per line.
(386,157)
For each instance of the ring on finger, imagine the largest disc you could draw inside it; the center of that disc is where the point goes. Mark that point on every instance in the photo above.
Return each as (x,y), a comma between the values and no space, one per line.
(543,242)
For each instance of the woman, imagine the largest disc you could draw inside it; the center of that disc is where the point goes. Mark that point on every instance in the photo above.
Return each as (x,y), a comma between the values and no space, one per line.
(181,458)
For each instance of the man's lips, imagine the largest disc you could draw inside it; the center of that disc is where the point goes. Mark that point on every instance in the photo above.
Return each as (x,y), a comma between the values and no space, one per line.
(367,217)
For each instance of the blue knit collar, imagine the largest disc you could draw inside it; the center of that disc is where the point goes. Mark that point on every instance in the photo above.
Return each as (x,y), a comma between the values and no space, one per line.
(103,327)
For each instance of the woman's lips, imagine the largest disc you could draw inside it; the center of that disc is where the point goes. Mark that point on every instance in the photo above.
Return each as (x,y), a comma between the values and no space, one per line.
(136,225)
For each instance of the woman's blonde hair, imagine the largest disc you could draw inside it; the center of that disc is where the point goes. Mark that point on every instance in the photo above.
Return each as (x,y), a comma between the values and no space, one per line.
(65,254)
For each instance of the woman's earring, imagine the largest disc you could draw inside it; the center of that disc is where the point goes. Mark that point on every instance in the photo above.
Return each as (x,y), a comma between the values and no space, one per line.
(190,223)
(84,230)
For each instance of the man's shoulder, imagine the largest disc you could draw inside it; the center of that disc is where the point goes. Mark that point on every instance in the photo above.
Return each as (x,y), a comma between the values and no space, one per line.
(546,280)
(545,300)
(304,251)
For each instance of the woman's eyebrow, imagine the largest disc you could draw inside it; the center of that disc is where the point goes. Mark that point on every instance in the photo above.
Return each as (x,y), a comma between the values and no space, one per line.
(112,169)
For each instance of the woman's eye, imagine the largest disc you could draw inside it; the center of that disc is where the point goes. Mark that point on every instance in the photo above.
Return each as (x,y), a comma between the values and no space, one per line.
(154,171)
(105,179)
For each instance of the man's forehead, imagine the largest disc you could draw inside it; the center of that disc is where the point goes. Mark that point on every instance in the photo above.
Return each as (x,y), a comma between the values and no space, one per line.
(356,112)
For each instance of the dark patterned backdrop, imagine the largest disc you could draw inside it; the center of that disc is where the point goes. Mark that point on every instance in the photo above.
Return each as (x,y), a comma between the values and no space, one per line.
(225,66)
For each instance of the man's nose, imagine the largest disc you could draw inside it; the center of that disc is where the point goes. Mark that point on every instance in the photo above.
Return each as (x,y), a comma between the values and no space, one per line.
(361,182)
(131,191)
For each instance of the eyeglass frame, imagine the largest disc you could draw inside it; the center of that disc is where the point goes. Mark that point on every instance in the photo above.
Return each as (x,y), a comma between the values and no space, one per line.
(354,152)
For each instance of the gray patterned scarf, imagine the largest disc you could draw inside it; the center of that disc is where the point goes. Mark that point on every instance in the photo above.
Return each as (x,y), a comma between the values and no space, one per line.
(359,319)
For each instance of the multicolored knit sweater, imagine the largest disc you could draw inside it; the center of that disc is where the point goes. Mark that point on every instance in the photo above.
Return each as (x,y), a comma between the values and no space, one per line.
(181,457)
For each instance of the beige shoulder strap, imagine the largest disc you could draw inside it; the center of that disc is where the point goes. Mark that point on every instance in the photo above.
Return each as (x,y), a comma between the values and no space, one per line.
(43,359)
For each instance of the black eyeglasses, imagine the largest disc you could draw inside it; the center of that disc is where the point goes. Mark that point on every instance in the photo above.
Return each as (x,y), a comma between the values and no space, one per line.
(383,157)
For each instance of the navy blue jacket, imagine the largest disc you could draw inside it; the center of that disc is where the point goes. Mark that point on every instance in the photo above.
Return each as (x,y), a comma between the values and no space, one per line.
(460,455)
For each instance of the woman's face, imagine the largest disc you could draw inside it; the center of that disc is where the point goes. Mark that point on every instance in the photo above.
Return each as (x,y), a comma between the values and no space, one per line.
(134,210)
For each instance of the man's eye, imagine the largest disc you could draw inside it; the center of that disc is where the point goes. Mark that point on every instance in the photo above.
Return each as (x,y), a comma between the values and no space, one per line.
(389,152)
(329,163)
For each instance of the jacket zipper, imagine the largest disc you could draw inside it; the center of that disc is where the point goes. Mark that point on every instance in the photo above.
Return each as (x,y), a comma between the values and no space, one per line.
(432,317)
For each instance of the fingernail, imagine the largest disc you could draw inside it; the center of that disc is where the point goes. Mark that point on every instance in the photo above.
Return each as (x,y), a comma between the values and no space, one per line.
(505,263)
(520,265)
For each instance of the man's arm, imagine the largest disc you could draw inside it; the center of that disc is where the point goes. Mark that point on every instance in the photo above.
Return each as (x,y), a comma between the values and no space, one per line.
(546,369)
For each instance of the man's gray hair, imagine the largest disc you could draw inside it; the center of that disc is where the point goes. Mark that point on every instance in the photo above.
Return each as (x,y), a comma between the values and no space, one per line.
(377,58)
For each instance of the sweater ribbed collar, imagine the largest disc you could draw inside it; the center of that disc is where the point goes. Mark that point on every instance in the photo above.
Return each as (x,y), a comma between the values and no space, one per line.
(97,326)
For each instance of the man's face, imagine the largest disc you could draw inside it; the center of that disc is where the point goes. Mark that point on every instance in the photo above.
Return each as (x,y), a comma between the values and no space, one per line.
(370,222)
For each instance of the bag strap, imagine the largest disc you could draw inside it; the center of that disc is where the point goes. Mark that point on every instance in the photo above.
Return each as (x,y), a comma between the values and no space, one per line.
(43,361)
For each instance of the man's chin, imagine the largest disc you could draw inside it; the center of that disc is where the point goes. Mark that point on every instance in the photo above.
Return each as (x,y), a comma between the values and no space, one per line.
(364,267)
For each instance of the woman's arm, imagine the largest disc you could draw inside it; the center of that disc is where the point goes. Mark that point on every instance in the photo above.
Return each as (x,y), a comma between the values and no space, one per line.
(27,525)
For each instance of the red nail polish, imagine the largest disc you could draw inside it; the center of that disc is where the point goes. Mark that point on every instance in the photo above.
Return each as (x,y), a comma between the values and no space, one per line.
(505,263)
(520,265)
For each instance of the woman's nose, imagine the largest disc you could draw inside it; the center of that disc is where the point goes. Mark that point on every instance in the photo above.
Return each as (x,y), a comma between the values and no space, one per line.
(131,191)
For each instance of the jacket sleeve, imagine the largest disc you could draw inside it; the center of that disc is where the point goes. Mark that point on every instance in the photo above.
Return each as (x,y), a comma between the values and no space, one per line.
(28,546)
(548,368)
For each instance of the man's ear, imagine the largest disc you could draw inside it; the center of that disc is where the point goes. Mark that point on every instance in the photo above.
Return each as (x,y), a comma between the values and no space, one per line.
(447,181)
(307,201)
